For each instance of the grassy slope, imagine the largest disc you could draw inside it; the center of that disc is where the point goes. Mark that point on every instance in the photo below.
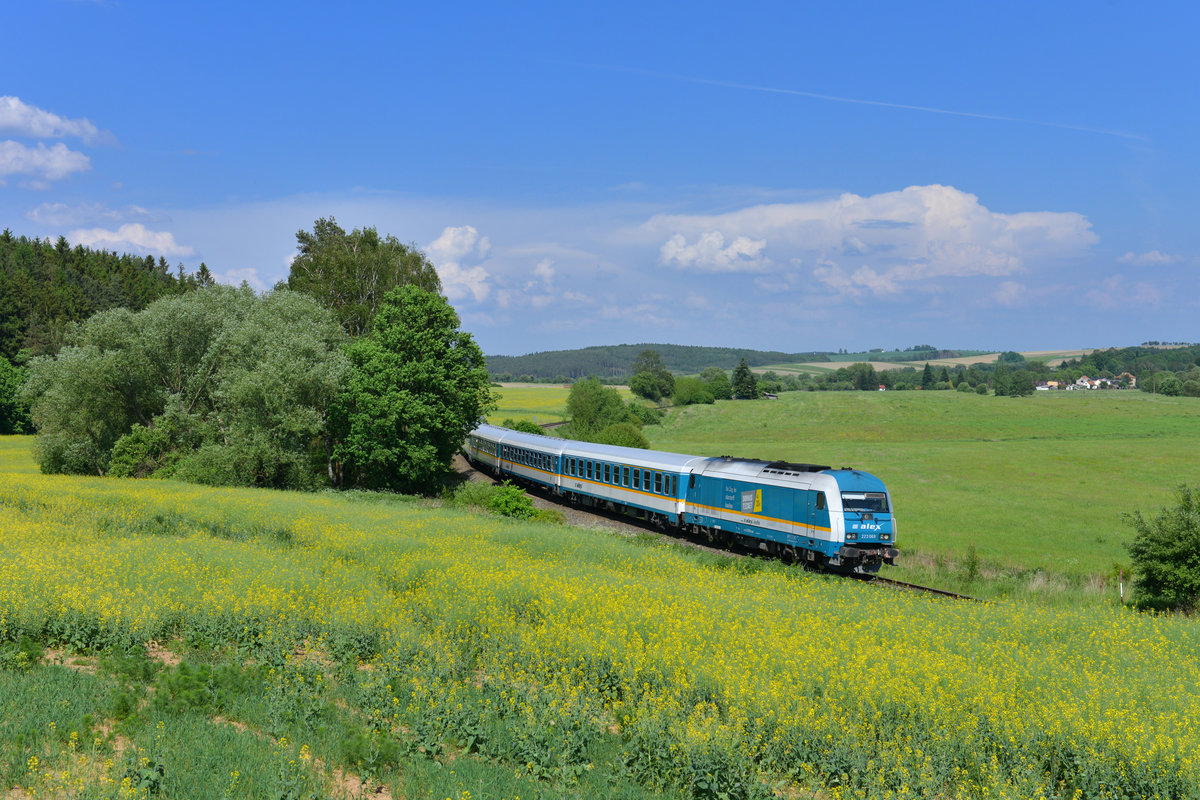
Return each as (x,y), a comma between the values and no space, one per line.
(1034,482)
(659,659)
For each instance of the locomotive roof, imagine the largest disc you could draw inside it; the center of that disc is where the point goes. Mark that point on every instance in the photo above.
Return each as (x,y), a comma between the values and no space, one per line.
(754,467)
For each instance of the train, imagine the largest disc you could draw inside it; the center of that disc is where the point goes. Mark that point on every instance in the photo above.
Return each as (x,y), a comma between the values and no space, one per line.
(835,519)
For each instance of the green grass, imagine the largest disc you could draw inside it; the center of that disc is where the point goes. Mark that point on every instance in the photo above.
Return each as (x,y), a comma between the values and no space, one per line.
(1031,483)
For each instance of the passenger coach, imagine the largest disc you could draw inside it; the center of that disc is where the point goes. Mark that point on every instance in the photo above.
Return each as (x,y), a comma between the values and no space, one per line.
(838,518)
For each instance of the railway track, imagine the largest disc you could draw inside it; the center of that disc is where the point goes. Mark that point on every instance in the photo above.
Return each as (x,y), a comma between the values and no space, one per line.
(913,587)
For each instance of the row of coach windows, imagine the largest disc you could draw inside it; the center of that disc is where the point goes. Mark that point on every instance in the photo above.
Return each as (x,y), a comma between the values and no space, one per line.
(643,480)
(483,445)
(530,458)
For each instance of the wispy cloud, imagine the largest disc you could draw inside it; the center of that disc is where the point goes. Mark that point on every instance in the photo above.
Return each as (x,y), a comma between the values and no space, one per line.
(1152,258)
(61,215)
(859,101)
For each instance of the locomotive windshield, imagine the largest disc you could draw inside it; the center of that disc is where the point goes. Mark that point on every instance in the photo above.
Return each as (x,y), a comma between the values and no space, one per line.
(864,501)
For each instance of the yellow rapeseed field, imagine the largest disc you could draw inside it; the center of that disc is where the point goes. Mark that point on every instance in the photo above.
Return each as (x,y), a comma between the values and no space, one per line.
(700,666)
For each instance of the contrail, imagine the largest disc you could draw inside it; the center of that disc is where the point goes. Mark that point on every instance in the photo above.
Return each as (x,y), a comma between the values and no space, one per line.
(857,101)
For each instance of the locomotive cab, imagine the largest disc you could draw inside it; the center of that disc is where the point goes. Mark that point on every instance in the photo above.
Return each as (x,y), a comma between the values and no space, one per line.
(868,526)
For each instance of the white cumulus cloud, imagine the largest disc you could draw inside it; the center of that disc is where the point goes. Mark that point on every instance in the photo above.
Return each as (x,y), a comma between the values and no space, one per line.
(877,243)
(21,119)
(131,237)
(40,162)
(448,252)
(710,253)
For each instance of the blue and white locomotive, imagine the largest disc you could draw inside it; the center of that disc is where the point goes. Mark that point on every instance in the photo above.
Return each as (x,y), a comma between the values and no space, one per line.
(836,518)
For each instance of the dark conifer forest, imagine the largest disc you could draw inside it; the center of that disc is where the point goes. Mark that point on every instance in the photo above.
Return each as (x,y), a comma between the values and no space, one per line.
(46,286)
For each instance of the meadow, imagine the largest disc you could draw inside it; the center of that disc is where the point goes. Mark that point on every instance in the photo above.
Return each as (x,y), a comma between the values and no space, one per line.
(251,643)
(1031,484)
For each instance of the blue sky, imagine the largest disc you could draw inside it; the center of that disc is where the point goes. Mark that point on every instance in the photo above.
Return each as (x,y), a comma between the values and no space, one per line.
(792,176)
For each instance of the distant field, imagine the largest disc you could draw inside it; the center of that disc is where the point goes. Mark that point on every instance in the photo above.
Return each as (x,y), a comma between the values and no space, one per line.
(1051,357)
(1036,482)
(536,402)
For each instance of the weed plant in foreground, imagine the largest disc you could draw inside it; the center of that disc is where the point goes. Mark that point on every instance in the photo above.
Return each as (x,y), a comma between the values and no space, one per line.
(331,638)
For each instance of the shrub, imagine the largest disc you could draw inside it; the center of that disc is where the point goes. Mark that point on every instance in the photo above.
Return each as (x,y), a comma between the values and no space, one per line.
(647,415)
(623,434)
(523,425)
(692,391)
(511,501)
(1166,555)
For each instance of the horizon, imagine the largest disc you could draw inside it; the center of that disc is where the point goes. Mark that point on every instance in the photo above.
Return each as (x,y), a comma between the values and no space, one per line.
(765,176)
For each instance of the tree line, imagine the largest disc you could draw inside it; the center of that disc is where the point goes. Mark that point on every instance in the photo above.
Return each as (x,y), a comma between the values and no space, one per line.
(46,287)
(617,363)
(352,373)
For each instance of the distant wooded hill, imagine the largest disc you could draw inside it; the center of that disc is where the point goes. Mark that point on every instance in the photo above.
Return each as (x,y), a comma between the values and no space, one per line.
(616,361)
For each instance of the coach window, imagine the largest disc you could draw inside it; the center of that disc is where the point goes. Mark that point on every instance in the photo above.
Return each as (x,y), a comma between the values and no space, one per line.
(607,473)
(589,470)
(658,483)
(625,476)
(637,479)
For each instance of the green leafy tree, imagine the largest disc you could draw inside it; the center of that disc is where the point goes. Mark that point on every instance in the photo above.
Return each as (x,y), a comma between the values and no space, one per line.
(218,386)
(745,385)
(718,383)
(1002,381)
(864,377)
(692,391)
(592,407)
(651,379)
(623,434)
(417,387)
(351,272)
(1011,357)
(1166,555)
(1022,384)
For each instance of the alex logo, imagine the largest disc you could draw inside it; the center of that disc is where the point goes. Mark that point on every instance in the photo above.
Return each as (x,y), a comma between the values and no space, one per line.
(867,526)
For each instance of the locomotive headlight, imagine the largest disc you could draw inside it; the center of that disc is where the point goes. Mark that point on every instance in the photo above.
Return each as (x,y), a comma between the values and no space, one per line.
(851,536)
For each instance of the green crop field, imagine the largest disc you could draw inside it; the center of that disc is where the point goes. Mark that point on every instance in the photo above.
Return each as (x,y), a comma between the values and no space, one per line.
(166,640)
(1034,483)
